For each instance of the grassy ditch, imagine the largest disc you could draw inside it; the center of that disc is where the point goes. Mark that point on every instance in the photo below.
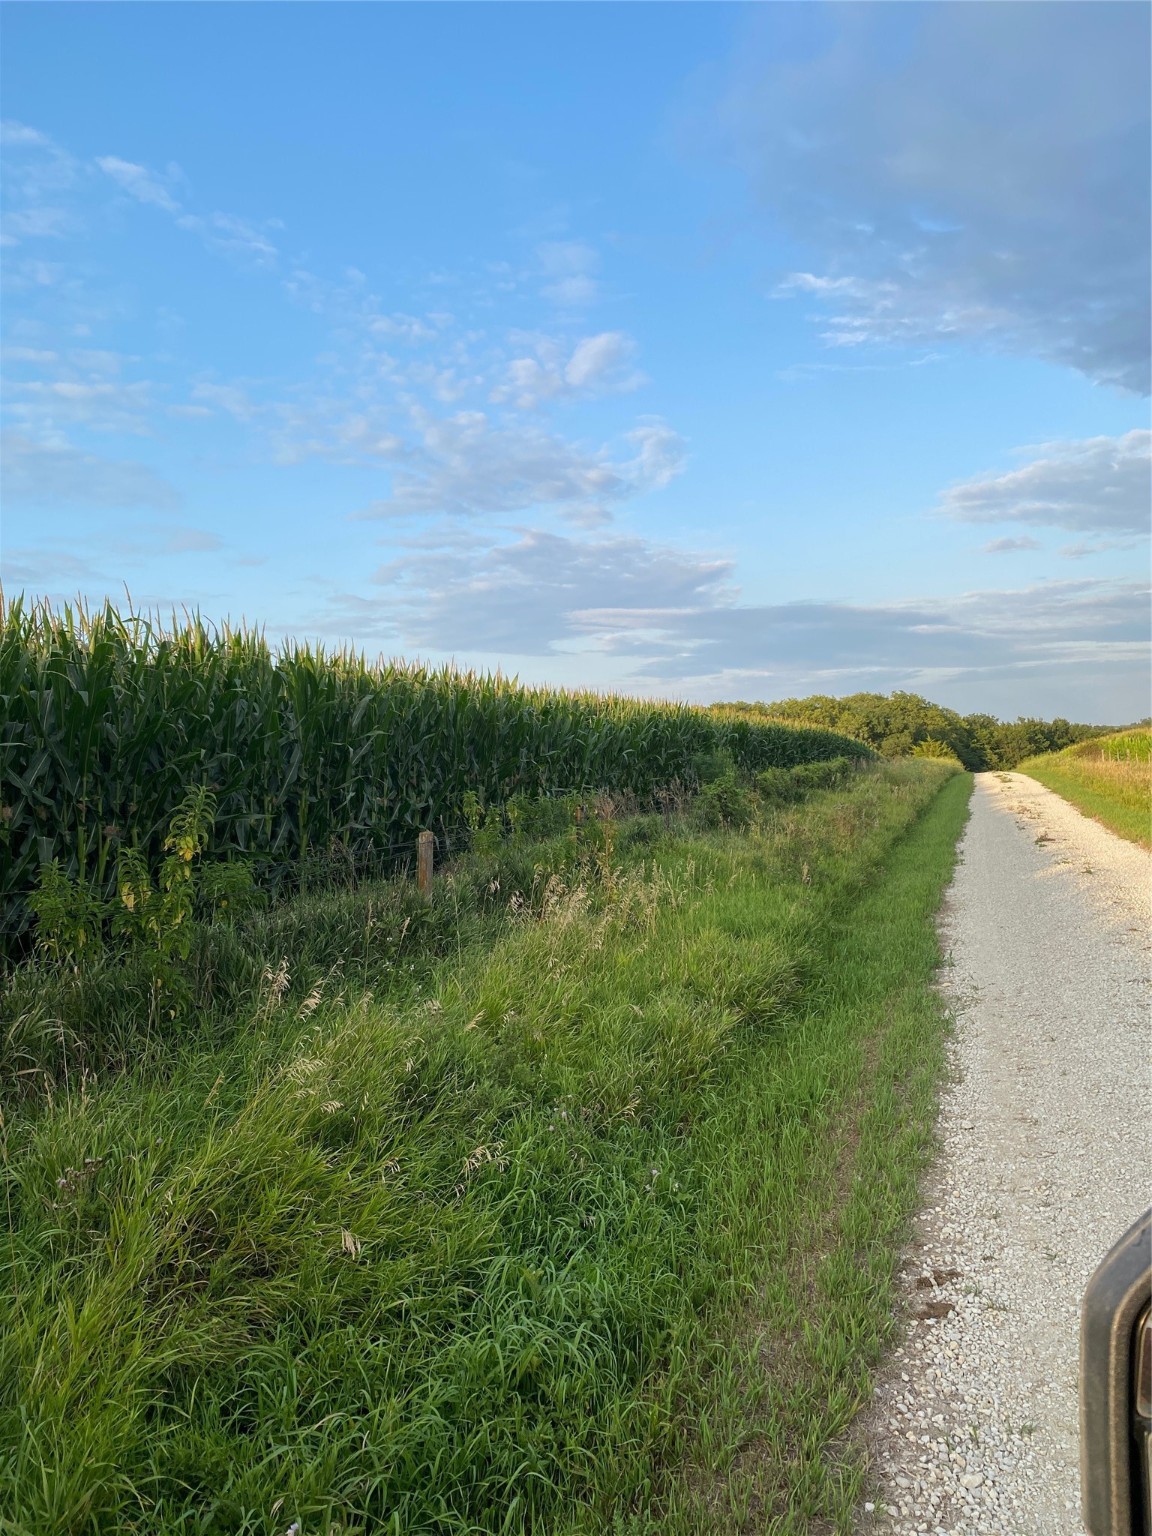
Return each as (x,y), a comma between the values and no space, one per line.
(1109,779)
(582,1218)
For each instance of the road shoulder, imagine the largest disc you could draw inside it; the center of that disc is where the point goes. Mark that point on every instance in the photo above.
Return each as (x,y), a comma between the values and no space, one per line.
(1114,873)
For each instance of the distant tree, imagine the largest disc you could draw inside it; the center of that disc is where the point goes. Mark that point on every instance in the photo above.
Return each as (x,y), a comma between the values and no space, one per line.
(897,724)
(1006,743)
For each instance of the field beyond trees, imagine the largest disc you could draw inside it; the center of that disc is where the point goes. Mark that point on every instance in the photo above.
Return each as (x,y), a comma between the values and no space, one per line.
(1109,778)
(566,1201)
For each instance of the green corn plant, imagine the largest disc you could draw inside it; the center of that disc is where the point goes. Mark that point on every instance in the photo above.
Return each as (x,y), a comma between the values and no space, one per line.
(107,720)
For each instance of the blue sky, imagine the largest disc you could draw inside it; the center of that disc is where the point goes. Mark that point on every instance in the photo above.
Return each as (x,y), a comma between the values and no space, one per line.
(699,350)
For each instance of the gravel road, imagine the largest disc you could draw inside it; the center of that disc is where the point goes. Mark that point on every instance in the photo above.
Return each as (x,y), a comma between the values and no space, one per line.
(1045,1159)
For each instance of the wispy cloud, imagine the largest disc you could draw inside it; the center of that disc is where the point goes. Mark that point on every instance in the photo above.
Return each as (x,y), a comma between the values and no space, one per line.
(459,592)
(37,177)
(226,233)
(408,328)
(231,236)
(555,369)
(233,399)
(987,184)
(1094,485)
(436,405)
(468,465)
(799,372)
(672,619)
(382,388)
(98,564)
(139,182)
(1010,546)
(37,224)
(568,270)
(46,476)
(19,135)
(1085,548)
(46,392)
(47,407)
(1077,647)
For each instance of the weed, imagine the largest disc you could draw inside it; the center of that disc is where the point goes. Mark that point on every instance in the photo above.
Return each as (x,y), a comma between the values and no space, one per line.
(69,918)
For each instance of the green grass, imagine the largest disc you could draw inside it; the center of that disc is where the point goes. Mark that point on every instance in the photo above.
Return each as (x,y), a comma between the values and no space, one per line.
(1109,779)
(585,1223)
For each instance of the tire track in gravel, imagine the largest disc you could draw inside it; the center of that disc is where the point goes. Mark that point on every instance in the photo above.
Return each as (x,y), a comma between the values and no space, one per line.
(1045,1157)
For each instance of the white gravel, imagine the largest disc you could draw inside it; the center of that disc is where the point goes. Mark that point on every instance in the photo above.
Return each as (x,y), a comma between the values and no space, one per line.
(1045,1159)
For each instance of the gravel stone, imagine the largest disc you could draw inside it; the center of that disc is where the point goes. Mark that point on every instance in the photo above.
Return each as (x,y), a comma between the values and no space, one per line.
(1045,1159)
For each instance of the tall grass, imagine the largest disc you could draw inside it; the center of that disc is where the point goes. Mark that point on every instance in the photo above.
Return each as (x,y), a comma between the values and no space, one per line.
(473,1253)
(107,720)
(1109,778)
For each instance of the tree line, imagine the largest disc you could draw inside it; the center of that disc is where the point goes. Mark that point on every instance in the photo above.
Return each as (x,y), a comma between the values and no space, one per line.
(896,724)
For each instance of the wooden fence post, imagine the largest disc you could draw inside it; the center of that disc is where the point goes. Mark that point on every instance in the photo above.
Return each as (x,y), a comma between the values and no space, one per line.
(424,846)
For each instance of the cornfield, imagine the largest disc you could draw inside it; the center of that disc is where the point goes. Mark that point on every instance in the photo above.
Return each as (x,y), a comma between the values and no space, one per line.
(1131,746)
(107,720)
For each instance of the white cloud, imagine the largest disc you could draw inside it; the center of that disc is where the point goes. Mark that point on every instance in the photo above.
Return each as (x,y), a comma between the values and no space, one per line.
(660,455)
(39,356)
(973,173)
(425,418)
(100,360)
(569,269)
(576,292)
(457,591)
(556,370)
(225,233)
(231,236)
(233,399)
(139,182)
(45,406)
(1082,550)
(1010,546)
(37,224)
(1094,485)
(33,274)
(14,134)
(670,620)
(37,176)
(403,327)
(466,465)
(595,358)
(979,639)
(364,433)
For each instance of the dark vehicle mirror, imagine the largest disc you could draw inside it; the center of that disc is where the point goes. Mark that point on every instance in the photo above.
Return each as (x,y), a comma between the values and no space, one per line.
(1116,1389)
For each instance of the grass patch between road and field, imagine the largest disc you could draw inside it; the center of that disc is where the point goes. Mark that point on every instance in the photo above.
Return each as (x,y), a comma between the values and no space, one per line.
(819,1231)
(586,1222)
(1109,779)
